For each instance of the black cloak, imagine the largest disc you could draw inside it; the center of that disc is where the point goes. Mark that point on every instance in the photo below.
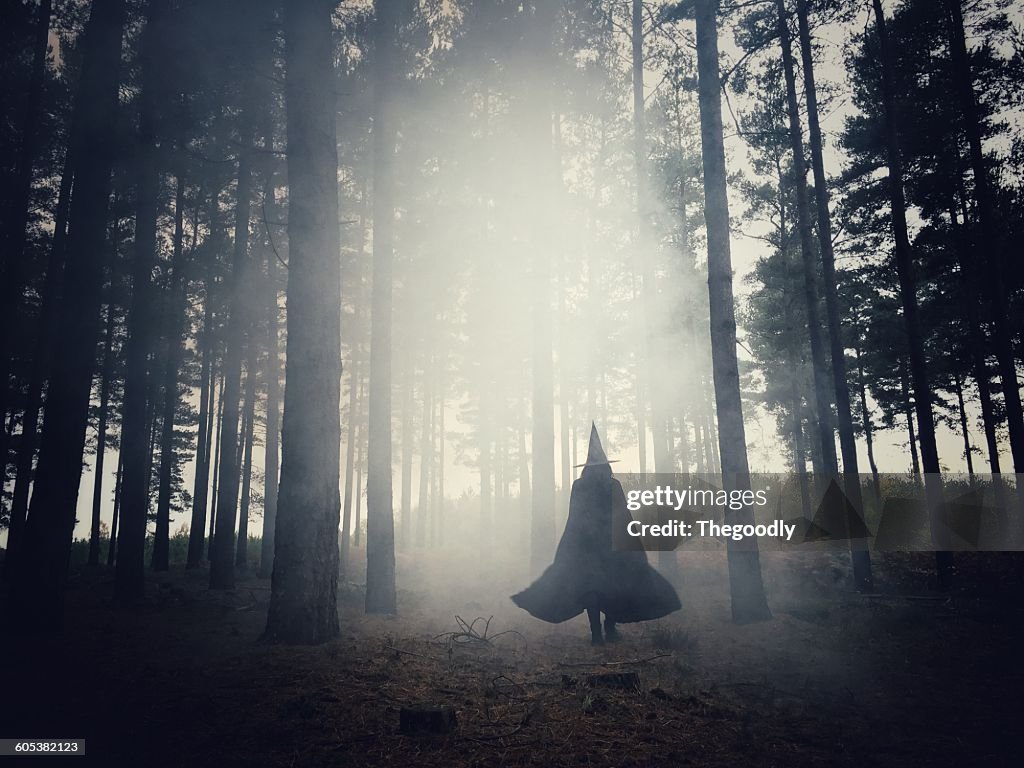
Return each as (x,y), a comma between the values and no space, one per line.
(588,572)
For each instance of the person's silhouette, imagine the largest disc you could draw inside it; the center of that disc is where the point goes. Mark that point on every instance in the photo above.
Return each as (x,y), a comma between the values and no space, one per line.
(588,574)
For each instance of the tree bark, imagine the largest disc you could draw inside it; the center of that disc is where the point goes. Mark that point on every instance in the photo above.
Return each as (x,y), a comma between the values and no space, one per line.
(746,586)
(408,438)
(17,213)
(200,494)
(962,413)
(539,71)
(248,429)
(354,408)
(426,444)
(112,545)
(649,291)
(975,338)
(908,412)
(908,296)
(996,283)
(360,466)
(380,521)
(46,334)
(355,376)
(175,313)
(222,550)
(216,469)
(438,536)
(799,452)
(868,431)
(37,594)
(819,370)
(272,445)
(847,441)
(101,438)
(303,598)
(142,320)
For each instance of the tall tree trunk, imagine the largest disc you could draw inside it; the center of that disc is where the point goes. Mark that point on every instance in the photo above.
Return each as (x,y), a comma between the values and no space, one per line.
(355,395)
(538,71)
(819,369)
(869,438)
(962,412)
(12,267)
(45,339)
(500,481)
(425,459)
(354,409)
(488,479)
(698,440)
(272,444)
(439,496)
(101,438)
(485,374)
(908,296)
(649,292)
(360,466)
(975,338)
(173,324)
(525,492)
(639,381)
(222,551)
(142,321)
(987,217)
(245,499)
(817,461)
(37,595)
(799,452)
(746,586)
(684,443)
(564,388)
(200,495)
(216,469)
(380,520)
(908,412)
(564,395)
(303,598)
(847,441)
(408,437)
(112,545)
(153,421)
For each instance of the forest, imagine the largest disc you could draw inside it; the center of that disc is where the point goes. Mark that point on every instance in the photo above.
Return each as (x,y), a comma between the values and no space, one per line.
(308,309)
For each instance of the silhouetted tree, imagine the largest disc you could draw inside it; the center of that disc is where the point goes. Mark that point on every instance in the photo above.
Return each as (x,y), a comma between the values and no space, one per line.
(304,585)
(747,589)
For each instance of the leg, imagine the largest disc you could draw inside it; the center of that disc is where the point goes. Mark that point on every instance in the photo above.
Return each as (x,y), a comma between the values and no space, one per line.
(595,626)
(611,634)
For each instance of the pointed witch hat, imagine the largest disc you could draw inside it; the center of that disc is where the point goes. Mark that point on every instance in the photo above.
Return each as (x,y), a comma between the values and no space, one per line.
(595,453)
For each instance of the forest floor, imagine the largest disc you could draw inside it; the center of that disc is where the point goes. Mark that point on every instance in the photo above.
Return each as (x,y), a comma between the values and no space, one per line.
(906,677)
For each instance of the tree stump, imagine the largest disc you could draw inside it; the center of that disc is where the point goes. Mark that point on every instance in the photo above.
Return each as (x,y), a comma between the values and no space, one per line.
(427,720)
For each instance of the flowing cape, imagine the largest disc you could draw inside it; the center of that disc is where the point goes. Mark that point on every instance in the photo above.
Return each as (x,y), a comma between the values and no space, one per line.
(588,572)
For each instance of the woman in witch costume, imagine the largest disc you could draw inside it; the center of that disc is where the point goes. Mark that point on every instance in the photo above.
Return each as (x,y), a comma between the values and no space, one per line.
(588,574)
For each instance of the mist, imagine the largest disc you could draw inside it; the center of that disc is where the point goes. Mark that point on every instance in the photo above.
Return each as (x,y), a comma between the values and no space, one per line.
(348,351)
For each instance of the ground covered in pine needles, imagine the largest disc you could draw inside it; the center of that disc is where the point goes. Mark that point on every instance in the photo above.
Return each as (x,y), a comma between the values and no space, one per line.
(906,677)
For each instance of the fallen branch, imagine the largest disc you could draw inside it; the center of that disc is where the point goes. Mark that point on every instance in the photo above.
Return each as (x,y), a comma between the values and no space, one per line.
(468,633)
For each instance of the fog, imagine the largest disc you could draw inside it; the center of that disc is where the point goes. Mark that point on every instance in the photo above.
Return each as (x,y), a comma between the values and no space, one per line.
(481,200)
